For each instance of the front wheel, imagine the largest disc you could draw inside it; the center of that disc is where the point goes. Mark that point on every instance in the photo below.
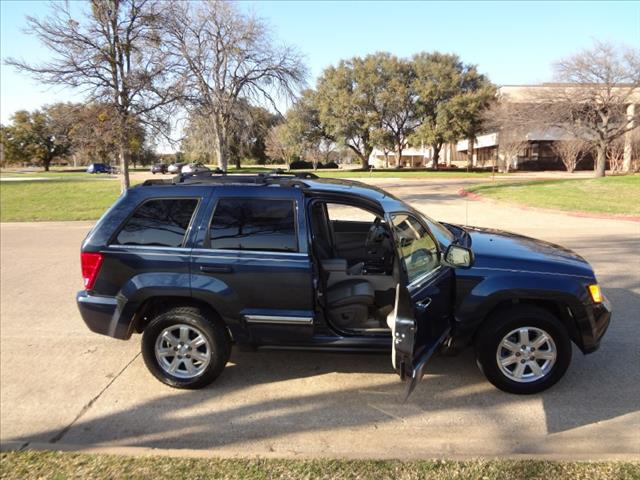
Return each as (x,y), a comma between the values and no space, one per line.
(185,348)
(523,349)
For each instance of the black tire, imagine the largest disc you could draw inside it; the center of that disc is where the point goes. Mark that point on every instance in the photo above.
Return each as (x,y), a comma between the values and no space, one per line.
(504,321)
(211,328)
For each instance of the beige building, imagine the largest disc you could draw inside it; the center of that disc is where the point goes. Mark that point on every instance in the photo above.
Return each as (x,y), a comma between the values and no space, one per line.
(417,157)
(536,152)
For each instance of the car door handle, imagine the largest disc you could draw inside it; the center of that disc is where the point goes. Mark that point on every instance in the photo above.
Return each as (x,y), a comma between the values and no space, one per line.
(425,303)
(216,268)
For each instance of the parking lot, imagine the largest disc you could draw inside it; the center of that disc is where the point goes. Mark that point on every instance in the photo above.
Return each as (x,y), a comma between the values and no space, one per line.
(63,385)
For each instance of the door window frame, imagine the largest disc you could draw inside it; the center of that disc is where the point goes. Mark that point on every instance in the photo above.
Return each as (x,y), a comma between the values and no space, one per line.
(206,240)
(187,233)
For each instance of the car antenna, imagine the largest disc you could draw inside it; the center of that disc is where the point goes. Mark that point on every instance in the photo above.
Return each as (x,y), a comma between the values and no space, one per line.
(466,210)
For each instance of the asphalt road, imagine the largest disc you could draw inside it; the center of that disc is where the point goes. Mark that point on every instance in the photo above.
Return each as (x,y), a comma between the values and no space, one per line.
(62,385)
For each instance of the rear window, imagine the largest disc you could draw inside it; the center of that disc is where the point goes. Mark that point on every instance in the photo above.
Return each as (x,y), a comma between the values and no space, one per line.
(158,223)
(244,224)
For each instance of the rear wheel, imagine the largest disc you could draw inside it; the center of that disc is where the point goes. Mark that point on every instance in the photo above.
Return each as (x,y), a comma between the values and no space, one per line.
(523,349)
(185,348)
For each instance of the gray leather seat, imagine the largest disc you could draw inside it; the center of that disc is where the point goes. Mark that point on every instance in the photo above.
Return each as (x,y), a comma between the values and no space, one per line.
(350,292)
(348,303)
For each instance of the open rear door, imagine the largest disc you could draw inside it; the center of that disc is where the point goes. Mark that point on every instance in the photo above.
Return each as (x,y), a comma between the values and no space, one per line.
(422,316)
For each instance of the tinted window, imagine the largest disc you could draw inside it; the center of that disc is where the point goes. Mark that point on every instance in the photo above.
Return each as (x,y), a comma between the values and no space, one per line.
(158,223)
(242,224)
(417,248)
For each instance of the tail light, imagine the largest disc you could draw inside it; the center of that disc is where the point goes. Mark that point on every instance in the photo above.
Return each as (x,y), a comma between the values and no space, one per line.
(90,263)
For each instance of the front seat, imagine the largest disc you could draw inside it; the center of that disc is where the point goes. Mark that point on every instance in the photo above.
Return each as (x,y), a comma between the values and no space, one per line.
(348,303)
(321,239)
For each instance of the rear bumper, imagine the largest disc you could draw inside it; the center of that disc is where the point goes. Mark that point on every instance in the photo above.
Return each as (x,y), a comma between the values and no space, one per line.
(101,315)
(598,317)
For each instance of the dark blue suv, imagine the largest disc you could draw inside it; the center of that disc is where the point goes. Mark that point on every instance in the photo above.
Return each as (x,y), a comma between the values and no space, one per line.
(202,262)
(99,168)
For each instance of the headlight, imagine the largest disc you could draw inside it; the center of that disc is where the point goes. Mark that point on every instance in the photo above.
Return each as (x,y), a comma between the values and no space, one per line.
(595,292)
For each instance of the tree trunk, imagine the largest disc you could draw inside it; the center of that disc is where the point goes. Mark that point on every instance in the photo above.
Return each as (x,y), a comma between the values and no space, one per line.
(628,149)
(436,155)
(238,164)
(399,154)
(365,157)
(601,160)
(220,144)
(46,162)
(124,168)
(470,145)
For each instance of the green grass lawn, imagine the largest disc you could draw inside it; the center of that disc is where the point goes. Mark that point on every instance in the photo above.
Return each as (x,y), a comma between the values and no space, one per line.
(612,195)
(51,174)
(57,465)
(56,199)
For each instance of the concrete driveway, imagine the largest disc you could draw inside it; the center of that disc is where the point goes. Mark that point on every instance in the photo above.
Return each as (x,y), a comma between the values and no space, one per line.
(62,385)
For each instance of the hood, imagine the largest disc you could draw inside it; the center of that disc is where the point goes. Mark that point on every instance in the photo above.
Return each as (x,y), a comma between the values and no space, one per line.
(505,250)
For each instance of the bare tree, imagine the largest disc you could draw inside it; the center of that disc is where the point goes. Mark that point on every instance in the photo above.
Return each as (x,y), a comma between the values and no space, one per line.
(512,122)
(511,143)
(224,56)
(571,152)
(595,98)
(114,54)
(615,155)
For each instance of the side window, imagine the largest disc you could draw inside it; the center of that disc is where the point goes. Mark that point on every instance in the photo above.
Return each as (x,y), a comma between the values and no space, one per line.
(161,223)
(247,224)
(418,250)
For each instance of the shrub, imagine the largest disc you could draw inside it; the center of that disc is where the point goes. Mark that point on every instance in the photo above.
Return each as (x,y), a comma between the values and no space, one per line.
(300,164)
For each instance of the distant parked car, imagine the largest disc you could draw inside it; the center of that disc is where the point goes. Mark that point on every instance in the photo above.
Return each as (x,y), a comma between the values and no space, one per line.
(159,168)
(175,167)
(195,168)
(100,168)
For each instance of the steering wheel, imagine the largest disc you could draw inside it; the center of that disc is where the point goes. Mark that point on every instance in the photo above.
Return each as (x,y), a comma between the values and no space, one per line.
(377,233)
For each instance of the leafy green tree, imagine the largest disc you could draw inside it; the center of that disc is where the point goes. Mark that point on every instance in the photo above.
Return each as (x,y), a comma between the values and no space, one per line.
(450,98)
(306,131)
(248,132)
(396,104)
(347,101)
(39,137)
(282,145)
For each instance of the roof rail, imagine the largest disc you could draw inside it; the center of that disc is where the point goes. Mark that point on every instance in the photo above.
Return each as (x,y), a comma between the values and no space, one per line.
(277,176)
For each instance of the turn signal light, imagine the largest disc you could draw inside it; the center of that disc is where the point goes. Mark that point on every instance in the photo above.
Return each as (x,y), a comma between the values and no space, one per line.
(90,263)
(595,292)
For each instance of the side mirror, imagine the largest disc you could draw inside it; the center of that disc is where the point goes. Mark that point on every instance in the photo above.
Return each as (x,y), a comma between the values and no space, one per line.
(458,256)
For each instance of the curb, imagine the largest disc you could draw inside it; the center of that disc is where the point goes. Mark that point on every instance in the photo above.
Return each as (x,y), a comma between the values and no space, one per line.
(134,451)
(602,216)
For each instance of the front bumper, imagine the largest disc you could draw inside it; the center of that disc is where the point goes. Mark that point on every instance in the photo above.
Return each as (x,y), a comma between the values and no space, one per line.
(101,314)
(594,326)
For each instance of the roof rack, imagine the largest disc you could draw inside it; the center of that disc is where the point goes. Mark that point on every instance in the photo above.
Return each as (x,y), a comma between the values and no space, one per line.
(279,177)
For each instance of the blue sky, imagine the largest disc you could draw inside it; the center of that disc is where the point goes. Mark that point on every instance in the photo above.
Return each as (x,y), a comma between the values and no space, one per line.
(512,42)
